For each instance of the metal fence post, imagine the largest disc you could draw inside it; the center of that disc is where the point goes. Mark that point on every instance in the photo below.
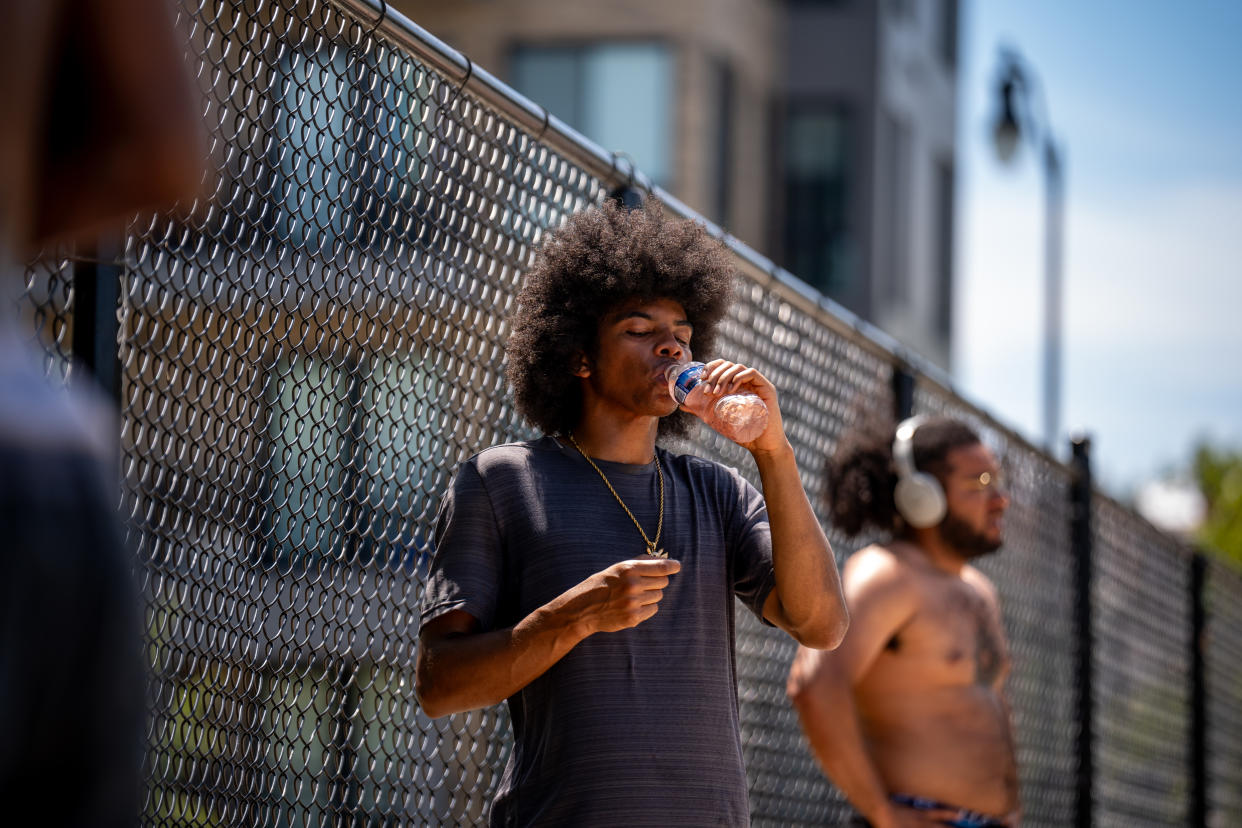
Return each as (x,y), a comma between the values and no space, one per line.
(903,391)
(1198,692)
(96,294)
(1080,548)
(626,196)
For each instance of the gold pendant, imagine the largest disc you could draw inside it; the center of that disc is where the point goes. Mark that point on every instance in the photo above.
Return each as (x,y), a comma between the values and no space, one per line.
(656,553)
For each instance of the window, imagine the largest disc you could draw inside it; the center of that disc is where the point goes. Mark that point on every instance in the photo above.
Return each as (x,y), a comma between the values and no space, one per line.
(314,131)
(308,711)
(324,742)
(617,94)
(352,143)
(402,437)
(396,121)
(210,720)
(349,448)
(308,433)
(817,243)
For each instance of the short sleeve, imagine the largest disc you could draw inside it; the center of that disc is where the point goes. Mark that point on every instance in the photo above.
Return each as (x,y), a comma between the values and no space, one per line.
(467,565)
(750,545)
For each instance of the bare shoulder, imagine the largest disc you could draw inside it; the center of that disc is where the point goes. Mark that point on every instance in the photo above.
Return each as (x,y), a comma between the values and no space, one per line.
(877,562)
(879,572)
(883,593)
(981,582)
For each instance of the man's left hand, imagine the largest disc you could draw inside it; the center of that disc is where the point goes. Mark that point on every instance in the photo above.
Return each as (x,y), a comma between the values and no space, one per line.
(721,377)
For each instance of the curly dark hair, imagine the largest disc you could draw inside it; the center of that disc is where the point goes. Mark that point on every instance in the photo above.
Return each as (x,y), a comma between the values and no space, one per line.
(861,474)
(600,259)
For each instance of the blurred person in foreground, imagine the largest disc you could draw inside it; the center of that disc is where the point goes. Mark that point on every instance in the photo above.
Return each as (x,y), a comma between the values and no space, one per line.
(908,717)
(96,121)
(588,577)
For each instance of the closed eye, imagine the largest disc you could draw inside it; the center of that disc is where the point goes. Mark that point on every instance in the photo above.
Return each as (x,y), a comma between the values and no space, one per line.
(684,341)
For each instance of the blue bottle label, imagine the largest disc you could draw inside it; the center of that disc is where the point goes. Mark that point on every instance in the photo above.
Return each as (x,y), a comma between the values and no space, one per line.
(686,380)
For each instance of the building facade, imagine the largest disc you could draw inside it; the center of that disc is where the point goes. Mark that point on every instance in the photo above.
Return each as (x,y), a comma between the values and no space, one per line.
(821,132)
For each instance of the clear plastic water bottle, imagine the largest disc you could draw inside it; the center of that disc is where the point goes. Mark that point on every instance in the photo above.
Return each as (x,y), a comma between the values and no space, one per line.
(741,417)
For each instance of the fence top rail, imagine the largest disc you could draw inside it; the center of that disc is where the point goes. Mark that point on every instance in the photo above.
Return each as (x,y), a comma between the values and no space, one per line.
(618,169)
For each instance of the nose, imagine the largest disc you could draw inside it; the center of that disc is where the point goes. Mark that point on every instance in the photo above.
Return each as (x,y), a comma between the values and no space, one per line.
(669,346)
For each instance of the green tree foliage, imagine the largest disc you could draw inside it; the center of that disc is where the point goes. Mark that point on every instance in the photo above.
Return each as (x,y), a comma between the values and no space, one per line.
(1219,475)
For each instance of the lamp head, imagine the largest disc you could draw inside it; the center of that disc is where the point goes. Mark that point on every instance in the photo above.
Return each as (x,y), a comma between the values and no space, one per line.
(1007,131)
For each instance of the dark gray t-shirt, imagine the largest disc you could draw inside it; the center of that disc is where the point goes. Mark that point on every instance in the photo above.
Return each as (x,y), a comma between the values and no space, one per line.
(638,727)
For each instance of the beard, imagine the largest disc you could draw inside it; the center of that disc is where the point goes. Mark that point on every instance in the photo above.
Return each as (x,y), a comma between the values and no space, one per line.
(965,539)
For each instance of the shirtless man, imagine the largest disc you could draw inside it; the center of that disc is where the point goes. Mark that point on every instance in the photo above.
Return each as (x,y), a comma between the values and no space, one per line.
(908,717)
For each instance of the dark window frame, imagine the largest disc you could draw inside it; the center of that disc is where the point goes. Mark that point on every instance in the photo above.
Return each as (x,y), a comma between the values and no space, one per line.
(831,268)
(580,49)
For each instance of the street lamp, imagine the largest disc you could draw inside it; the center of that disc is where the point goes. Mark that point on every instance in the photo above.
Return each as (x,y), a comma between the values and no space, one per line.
(1016,120)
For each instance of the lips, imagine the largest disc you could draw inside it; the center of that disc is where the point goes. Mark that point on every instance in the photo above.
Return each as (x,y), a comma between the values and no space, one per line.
(661,373)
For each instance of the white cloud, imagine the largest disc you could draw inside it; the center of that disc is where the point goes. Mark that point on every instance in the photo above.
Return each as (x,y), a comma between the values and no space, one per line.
(1175,506)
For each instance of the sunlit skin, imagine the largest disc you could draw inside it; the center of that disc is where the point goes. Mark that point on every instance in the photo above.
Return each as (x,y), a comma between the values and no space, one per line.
(625,391)
(913,700)
(977,503)
(461,667)
(623,388)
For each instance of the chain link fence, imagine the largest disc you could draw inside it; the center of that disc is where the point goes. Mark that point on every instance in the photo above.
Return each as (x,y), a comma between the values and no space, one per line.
(1222,640)
(306,352)
(1034,575)
(1142,631)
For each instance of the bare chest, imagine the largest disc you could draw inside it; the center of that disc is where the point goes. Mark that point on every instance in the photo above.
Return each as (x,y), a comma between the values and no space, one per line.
(954,638)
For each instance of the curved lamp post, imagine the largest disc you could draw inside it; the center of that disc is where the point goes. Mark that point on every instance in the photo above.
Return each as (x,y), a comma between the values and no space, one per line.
(1018,121)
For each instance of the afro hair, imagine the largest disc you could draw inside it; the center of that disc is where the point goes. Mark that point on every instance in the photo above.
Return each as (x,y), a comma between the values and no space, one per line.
(861,474)
(601,258)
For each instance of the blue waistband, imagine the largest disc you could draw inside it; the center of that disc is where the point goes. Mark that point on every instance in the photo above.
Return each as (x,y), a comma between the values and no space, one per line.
(962,817)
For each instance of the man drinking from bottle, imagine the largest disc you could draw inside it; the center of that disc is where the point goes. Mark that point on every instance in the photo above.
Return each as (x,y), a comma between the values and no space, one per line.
(588,577)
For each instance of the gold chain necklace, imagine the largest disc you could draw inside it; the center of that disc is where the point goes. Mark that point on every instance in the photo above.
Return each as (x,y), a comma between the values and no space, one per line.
(651,544)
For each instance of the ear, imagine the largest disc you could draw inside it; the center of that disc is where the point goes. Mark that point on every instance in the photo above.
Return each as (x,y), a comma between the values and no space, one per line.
(580,366)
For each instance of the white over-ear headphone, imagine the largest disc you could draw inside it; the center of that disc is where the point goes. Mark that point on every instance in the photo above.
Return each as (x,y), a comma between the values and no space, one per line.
(918,496)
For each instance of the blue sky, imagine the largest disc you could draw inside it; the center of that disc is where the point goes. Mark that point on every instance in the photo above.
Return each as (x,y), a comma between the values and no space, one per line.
(1145,98)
